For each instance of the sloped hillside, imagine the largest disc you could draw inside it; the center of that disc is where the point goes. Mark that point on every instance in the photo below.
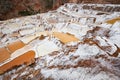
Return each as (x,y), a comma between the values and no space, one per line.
(73,42)
(17,8)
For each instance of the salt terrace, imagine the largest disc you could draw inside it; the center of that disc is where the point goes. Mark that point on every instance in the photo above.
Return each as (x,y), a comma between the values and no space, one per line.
(74,42)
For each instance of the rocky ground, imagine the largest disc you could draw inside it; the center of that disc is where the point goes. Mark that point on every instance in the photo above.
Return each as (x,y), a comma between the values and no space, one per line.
(17,8)
(74,42)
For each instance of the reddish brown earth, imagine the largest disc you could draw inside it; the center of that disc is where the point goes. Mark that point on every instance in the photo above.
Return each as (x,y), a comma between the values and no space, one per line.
(15,45)
(16,8)
(18,61)
(4,54)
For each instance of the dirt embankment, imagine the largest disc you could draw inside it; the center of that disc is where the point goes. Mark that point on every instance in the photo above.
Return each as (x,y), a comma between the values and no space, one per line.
(16,8)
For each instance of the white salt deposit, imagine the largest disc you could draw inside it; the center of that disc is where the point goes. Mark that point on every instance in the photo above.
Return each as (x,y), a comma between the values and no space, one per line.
(73,19)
